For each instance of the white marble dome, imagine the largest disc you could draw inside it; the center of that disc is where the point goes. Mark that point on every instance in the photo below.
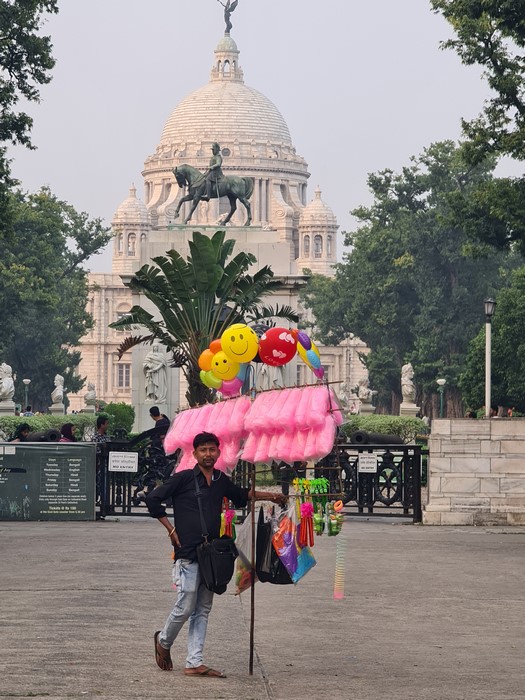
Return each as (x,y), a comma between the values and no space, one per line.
(132,210)
(318,212)
(226,110)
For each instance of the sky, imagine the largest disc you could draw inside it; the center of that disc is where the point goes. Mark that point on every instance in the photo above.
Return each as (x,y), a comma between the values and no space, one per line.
(363,86)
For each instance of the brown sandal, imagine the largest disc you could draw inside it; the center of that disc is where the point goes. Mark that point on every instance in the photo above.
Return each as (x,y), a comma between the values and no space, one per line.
(162,656)
(204,671)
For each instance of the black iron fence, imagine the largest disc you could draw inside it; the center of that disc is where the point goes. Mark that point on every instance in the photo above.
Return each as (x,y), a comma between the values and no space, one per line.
(370,479)
(377,479)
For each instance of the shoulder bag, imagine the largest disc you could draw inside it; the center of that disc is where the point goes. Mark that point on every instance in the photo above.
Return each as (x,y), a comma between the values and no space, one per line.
(216,557)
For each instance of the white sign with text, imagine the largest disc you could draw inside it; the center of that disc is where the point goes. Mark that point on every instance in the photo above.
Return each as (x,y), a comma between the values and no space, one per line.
(367,463)
(123,462)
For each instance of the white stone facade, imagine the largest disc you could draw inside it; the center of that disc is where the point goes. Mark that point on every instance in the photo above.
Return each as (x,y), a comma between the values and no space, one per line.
(476,472)
(108,300)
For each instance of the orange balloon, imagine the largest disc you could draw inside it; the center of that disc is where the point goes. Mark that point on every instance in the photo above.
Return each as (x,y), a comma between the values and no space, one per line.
(215,346)
(205,359)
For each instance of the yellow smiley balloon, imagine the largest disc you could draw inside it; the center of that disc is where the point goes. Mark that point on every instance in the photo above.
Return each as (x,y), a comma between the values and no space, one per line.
(240,343)
(222,367)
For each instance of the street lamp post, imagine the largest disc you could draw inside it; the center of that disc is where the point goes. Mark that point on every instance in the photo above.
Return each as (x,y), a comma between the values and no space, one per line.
(26,383)
(441,389)
(490,305)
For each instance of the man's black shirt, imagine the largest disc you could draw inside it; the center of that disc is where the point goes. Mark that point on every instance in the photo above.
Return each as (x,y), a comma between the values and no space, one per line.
(180,489)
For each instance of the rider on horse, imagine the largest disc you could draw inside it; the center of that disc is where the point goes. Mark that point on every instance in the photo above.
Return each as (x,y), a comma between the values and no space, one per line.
(214,173)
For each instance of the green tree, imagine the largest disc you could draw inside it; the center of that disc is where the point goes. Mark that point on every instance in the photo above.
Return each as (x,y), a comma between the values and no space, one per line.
(44,290)
(412,286)
(197,299)
(121,416)
(508,351)
(25,64)
(491,34)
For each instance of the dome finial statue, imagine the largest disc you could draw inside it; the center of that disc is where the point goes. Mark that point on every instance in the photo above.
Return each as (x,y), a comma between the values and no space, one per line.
(229,7)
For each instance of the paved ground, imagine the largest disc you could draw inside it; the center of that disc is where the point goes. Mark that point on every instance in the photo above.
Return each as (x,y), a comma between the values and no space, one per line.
(429,613)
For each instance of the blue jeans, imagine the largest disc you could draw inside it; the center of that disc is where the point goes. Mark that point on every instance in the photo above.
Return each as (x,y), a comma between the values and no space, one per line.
(194,601)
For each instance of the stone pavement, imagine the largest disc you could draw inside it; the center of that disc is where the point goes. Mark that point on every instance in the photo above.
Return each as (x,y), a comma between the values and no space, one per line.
(429,613)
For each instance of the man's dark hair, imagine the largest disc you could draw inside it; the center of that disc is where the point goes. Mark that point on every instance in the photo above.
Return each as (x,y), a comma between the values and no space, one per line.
(28,408)
(101,420)
(204,439)
(154,412)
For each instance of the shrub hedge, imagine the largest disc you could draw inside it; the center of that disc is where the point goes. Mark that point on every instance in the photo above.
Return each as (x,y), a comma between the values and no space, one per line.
(405,427)
(85,422)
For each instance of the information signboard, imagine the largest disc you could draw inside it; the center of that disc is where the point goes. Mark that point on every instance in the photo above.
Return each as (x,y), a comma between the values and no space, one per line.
(367,463)
(47,481)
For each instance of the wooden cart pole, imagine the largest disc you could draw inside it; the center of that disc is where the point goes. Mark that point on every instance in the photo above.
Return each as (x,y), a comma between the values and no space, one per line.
(252,572)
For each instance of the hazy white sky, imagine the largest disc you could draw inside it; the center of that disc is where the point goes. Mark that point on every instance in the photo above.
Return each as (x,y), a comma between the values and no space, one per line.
(362,85)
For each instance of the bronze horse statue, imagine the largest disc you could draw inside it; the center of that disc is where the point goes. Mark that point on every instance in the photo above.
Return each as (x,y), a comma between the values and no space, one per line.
(231,186)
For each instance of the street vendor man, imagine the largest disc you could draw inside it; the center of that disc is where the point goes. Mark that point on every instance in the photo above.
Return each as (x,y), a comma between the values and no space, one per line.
(194,600)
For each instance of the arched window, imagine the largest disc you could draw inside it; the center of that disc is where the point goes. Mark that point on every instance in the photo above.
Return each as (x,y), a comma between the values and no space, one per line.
(132,244)
(119,244)
(143,237)
(226,69)
(306,246)
(318,246)
(329,245)
(219,66)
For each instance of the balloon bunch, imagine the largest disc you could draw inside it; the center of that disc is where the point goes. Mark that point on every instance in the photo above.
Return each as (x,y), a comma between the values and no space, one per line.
(225,362)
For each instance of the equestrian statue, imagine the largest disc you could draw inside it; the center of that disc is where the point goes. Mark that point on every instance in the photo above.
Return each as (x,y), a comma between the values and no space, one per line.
(213,184)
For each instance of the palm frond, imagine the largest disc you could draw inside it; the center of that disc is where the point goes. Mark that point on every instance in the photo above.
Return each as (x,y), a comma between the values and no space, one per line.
(132,341)
(179,358)
(263,312)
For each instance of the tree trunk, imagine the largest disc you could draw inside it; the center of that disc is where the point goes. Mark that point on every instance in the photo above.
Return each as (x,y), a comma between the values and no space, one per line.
(454,403)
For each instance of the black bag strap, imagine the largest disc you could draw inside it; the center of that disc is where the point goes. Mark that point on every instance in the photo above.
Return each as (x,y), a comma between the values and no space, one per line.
(198,493)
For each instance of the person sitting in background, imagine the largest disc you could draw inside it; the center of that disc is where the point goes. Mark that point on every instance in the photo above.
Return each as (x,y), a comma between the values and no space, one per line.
(67,432)
(28,411)
(21,433)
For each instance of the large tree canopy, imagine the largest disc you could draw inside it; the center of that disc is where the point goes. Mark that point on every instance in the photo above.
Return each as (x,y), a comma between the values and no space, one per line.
(43,290)
(491,34)
(413,286)
(195,299)
(25,64)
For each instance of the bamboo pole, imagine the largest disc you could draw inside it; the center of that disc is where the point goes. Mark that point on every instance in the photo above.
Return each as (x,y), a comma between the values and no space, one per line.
(252,572)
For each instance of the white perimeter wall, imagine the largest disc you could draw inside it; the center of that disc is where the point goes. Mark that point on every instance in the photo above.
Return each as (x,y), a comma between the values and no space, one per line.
(476,472)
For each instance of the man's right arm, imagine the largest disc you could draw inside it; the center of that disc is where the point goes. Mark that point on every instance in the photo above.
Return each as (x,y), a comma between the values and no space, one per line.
(155,503)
